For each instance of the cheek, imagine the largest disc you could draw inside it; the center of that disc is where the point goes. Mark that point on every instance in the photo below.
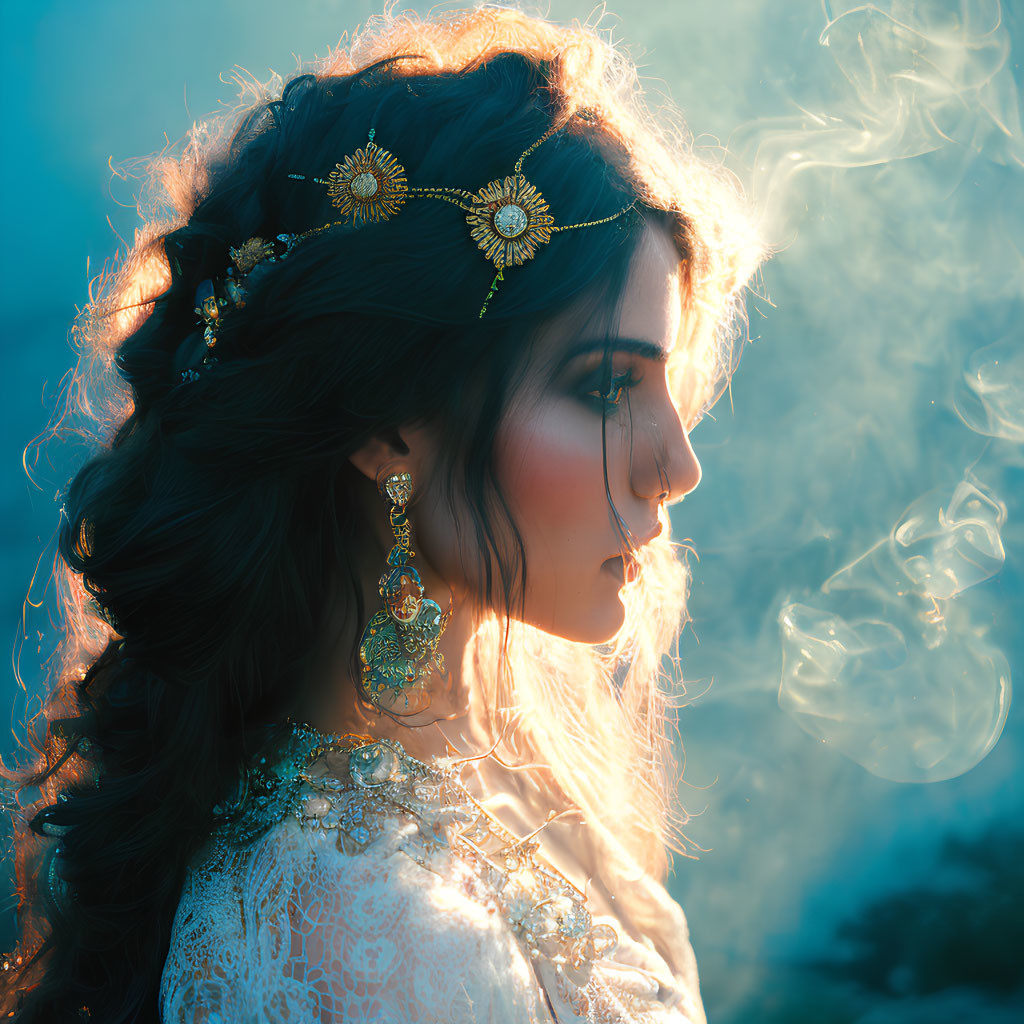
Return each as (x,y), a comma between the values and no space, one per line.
(551,468)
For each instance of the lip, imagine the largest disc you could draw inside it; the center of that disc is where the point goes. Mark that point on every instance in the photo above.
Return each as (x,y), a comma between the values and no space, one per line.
(624,568)
(655,532)
(630,567)
(617,568)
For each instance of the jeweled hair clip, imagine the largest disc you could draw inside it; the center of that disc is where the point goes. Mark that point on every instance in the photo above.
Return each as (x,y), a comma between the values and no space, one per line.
(508,219)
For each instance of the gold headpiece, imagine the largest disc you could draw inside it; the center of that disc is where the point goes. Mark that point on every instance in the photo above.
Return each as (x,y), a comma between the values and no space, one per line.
(508,219)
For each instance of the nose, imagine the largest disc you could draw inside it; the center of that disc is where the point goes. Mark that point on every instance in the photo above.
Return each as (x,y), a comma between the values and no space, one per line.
(664,466)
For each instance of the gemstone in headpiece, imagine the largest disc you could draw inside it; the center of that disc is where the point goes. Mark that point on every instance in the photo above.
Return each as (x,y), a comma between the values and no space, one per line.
(369,184)
(510,220)
(364,185)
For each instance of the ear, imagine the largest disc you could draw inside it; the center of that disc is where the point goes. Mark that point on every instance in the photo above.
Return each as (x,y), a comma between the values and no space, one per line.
(381,451)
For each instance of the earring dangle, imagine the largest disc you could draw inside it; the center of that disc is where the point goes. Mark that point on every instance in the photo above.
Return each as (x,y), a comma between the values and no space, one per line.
(399,644)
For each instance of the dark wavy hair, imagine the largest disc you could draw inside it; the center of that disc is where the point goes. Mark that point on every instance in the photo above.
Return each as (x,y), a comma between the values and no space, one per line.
(218,524)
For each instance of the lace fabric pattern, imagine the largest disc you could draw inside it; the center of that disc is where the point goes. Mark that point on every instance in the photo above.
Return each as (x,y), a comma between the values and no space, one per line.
(354,883)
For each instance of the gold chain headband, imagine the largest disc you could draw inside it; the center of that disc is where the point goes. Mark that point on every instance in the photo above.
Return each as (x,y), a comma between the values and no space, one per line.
(508,219)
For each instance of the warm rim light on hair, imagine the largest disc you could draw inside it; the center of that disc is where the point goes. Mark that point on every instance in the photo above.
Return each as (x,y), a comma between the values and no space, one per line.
(597,716)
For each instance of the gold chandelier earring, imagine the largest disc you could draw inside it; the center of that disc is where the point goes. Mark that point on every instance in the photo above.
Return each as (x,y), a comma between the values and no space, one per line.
(398,647)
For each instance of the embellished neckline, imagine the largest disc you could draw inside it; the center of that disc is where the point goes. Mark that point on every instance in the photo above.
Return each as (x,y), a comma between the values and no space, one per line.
(350,786)
(379,758)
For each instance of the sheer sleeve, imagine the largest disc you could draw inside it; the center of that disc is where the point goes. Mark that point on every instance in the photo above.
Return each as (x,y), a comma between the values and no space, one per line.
(295,930)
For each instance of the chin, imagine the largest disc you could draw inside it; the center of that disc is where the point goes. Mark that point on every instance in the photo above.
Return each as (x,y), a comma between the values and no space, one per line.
(599,627)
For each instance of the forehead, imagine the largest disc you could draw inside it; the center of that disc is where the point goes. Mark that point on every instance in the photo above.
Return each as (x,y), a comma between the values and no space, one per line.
(651,305)
(647,309)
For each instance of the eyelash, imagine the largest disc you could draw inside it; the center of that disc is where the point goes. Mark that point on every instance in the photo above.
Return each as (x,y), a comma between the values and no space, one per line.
(620,383)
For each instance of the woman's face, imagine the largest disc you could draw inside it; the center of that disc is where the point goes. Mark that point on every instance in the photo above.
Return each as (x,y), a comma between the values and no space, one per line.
(550,462)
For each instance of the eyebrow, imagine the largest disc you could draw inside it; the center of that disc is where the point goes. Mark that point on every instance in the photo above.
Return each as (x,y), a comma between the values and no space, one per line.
(636,346)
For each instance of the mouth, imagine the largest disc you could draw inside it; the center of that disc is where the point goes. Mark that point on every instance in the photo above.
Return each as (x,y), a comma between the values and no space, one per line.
(625,569)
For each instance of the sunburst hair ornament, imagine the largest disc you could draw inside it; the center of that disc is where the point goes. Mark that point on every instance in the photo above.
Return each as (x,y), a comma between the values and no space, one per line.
(369,184)
(508,218)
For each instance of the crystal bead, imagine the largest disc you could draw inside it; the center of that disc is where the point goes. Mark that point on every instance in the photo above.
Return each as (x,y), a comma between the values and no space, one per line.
(575,921)
(510,221)
(364,185)
(316,806)
(604,940)
(541,923)
(372,765)
(398,487)
(518,910)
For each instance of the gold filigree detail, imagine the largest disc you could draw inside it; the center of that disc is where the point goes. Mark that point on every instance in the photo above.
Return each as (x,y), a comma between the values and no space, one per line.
(508,219)
(353,789)
(370,184)
(251,252)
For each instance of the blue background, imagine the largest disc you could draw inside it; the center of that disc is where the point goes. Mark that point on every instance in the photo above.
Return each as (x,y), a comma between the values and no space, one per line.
(829,892)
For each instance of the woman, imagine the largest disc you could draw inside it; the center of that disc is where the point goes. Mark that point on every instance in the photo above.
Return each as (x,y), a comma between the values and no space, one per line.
(362,713)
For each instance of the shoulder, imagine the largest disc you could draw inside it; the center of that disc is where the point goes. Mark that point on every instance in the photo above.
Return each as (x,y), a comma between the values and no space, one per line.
(380,934)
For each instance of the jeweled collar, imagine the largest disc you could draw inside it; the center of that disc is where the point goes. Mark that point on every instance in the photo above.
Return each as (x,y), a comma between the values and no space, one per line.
(345,786)
(373,762)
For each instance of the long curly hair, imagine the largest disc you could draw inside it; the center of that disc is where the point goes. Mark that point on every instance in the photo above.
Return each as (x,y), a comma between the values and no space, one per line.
(213,521)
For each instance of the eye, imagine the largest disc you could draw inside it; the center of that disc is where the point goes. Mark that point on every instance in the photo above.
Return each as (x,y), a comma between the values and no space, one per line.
(617,386)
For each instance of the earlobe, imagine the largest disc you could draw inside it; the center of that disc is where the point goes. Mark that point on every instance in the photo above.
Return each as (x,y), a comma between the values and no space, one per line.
(377,452)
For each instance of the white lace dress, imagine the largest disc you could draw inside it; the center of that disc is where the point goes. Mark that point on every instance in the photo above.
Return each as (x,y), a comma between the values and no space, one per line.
(352,883)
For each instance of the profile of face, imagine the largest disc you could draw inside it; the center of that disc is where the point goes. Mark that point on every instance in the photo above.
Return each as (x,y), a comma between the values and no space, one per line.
(550,459)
